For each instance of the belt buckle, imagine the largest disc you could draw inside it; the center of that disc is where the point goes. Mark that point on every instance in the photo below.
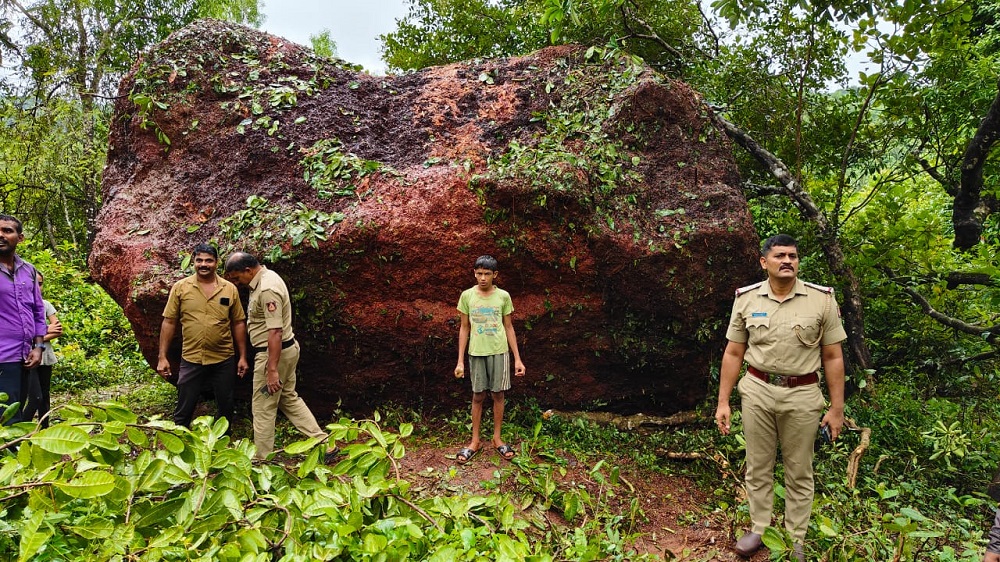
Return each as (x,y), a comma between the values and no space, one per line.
(778,380)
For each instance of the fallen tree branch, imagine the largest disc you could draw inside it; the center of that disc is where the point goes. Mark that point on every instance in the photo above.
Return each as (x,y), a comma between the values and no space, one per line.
(854,461)
(627,423)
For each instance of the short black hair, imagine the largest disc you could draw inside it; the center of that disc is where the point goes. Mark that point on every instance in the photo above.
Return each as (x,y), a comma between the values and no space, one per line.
(487,262)
(778,240)
(13,219)
(205,248)
(241,261)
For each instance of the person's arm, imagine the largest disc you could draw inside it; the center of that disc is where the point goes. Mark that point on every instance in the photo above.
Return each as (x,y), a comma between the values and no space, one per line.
(508,327)
(463,343)
(729,373)
(240,338)
(833,373)
(34,358)
(55,329)
(273,355)
(167,330)
(993,547)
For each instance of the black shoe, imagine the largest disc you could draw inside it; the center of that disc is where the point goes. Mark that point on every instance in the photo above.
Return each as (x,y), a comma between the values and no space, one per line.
(748,544)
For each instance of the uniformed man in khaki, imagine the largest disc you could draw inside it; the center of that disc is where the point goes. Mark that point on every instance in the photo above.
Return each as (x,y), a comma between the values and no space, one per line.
(785,329)
(276,353)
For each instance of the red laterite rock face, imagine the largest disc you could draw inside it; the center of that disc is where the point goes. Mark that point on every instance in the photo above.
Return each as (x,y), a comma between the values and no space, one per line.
(606,193)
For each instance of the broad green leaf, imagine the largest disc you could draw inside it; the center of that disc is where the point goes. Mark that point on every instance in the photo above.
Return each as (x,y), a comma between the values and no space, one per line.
(171,442)
(151,479)
(136,436)
(175,474)
(93,527)
(299,447)
(90,484)
(120,413)
(167,538)
(32,538)
(210,524)
(61,439)
(149,514)
(913,514)
(312,460)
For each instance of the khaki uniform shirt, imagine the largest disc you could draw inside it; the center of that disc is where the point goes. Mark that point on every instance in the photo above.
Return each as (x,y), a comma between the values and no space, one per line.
(269,308)
(784,338)
(206,322)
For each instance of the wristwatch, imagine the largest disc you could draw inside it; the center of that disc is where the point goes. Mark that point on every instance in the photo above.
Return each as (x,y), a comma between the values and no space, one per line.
(37,345)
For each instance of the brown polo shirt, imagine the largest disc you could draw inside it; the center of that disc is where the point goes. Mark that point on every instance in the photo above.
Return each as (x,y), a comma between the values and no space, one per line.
(785,337)
(269,308)
(206,321)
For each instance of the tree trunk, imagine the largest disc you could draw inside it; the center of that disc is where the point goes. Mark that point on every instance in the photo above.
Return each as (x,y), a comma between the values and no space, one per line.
(965,211)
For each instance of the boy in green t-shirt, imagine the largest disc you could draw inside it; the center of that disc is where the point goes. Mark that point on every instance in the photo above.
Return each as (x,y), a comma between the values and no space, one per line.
(488,333)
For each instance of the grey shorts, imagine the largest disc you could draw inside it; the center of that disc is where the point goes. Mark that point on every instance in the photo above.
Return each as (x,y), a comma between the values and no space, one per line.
(490,372)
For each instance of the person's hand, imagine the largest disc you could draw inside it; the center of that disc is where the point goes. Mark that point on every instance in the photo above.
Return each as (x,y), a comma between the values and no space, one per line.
(242,367)
(273,384)
(459,371)
(518,369)
(722,416)
(34,358)
(834,419)
(991,557)
(163,367)
(55,329)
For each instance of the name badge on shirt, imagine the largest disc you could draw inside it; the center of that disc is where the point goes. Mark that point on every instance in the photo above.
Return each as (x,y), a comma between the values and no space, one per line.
(758,315)
(224,301)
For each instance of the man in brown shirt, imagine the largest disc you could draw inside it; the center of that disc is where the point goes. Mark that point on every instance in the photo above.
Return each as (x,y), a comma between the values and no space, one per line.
(785,329)
(212,319)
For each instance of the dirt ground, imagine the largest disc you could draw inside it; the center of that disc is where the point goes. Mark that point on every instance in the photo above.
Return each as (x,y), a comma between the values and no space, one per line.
(675,520)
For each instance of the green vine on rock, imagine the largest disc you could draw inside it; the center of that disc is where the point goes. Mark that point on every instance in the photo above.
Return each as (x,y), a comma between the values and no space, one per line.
(333,172)
(575,157)
(270,229)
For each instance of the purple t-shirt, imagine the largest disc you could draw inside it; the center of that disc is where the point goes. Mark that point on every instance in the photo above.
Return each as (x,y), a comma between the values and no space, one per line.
(22,312)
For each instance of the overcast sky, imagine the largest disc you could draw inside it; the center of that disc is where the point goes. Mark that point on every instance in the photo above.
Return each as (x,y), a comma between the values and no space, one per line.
(354,24)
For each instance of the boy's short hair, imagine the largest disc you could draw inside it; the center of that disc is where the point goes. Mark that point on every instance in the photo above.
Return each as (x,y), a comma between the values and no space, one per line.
(487,262)
(778,240)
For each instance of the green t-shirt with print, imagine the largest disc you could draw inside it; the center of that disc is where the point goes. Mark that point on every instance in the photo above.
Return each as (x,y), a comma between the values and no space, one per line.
(486,335)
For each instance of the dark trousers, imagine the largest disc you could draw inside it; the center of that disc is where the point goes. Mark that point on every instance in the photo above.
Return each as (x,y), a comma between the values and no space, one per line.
(10,384)
(221,377)
(36,394)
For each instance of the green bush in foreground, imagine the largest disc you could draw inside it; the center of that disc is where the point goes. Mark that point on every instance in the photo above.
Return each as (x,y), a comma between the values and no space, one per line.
(104,485)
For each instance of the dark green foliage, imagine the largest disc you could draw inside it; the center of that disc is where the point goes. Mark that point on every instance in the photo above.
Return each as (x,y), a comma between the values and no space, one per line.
(98,348)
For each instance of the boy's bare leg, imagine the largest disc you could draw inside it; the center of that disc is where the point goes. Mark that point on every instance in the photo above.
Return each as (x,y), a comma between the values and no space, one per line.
(477,418)
(498,408)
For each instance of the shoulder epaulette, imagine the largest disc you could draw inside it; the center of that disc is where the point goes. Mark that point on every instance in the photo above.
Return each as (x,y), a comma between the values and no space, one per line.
(742,290)
(821,288)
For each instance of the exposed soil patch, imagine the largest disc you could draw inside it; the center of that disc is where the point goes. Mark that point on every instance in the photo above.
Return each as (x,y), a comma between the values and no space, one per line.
(673,507)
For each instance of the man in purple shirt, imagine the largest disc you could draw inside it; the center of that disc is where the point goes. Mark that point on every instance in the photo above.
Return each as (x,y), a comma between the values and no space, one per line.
(22,313)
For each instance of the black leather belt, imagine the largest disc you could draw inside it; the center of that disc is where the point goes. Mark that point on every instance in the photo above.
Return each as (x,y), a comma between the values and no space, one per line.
(787,381)
(284,345)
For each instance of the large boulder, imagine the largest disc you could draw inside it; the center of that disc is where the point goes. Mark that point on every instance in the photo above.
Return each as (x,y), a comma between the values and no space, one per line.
(606,192)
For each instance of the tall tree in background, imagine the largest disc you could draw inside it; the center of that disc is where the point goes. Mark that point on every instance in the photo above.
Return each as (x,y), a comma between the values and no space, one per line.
(65,58)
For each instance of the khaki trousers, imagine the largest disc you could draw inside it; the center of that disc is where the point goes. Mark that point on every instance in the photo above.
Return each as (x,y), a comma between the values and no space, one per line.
(773,414)
(265,408)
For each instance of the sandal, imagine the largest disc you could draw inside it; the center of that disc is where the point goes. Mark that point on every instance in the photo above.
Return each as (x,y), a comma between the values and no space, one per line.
(506,451)
(465,455)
